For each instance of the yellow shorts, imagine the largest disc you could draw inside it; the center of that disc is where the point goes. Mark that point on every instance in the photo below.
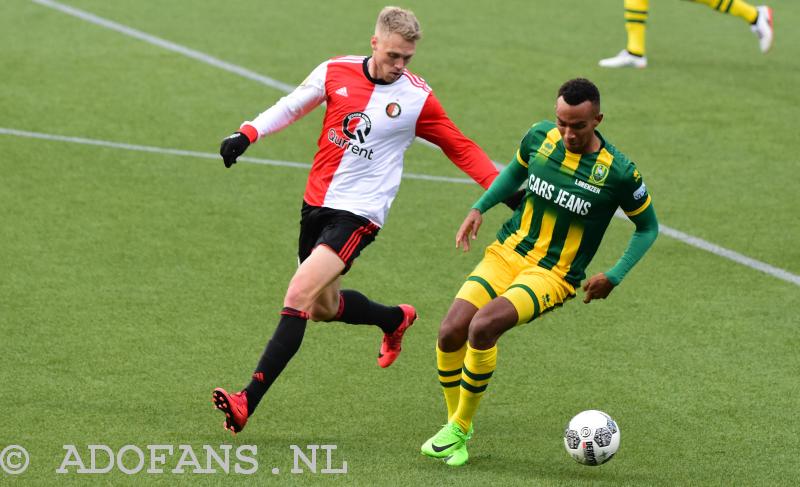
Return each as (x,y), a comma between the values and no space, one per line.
(533,290)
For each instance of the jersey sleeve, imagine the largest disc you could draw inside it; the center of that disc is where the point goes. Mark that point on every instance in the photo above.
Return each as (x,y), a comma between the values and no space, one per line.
(633,196)
(291,107)
(435,126)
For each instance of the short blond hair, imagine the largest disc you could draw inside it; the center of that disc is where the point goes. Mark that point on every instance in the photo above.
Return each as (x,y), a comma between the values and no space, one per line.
(395,20)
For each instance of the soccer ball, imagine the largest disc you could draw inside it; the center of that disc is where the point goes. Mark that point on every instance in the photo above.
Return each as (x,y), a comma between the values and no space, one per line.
(591,437)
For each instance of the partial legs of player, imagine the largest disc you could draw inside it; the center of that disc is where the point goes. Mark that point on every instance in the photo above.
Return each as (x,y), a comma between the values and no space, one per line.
(313,293)
(636,16)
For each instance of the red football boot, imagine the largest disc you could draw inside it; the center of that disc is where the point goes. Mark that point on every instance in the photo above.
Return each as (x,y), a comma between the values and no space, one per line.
(234,406)
(390,346)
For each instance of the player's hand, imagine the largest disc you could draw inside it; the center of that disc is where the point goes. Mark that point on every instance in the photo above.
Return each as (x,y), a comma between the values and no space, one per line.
(469,229)
(515,199)
(597,287)
(232,147)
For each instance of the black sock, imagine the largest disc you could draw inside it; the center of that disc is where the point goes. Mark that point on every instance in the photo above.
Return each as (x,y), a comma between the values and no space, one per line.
(279,351)
(357,309)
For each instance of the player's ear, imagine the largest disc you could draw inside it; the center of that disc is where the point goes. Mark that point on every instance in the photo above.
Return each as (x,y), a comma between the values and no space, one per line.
(374,43)
(598,118)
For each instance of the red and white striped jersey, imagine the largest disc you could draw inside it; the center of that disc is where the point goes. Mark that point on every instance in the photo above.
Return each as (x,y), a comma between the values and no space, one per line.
(367,128)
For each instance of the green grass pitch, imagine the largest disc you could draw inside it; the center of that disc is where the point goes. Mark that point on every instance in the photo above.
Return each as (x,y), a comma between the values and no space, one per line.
(132,283)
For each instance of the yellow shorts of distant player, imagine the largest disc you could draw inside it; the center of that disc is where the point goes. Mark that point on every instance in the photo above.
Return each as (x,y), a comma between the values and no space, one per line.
(533,290)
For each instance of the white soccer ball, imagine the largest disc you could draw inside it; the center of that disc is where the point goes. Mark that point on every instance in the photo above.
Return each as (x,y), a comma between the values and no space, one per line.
(591,437)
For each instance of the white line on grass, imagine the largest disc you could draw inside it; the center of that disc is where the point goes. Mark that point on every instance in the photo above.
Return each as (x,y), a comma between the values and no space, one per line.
(189,153)
(266,80)
(183,50)
(671,232)
(171,46)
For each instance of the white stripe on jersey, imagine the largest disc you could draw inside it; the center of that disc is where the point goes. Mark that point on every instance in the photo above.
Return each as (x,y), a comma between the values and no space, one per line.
(366,173)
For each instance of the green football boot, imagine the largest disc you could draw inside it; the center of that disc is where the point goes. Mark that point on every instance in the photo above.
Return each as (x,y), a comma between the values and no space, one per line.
(449,439)
(458,457)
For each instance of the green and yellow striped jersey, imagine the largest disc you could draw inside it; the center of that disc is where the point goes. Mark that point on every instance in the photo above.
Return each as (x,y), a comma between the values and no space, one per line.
(569,201)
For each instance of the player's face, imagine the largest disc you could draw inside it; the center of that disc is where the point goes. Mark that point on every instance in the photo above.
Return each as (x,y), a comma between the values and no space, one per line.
(576,123)
(390,56)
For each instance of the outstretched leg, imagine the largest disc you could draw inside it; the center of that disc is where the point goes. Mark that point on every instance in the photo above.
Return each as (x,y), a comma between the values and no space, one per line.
(320,270)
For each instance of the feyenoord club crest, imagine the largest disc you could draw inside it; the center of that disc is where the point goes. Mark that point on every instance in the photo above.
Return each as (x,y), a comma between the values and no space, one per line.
(393,110)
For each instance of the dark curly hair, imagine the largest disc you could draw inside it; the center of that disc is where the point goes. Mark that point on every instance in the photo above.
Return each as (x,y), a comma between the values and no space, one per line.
(578,90)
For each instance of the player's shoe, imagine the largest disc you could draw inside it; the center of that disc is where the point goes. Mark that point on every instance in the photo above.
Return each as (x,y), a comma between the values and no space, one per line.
(763,28)
(445,443)
(624,60)
(390,345)
(458,457)
(234,406)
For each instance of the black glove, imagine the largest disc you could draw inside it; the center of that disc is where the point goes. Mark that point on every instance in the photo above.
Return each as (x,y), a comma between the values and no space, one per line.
(232,147)
(515,199)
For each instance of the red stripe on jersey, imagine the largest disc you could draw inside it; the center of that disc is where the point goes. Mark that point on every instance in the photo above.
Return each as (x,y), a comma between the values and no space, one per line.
(417,81)
(358,92)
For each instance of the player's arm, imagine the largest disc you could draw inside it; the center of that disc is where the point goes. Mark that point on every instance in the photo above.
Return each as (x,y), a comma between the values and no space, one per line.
(505,185)
(435,126)
(286,111)
(600,285)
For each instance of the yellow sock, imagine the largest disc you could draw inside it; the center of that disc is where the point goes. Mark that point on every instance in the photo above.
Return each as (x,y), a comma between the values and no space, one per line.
(449,365)
(636,24)
(479,366)
(738,8)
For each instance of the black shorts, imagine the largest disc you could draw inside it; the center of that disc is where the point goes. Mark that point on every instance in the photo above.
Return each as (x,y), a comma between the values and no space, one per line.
(343,232)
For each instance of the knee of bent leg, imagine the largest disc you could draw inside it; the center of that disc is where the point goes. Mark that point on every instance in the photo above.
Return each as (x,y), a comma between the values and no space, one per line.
(297,297)
(484,331)
(452,334)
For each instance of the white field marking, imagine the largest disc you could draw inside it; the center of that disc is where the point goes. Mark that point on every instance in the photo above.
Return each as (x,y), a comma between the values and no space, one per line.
(170,46)
(191,53)
(670,232)
(189,153)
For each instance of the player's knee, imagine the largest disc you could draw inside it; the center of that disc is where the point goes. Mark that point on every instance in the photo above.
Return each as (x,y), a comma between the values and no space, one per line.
(484,331)
(296,297)
(452,335)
